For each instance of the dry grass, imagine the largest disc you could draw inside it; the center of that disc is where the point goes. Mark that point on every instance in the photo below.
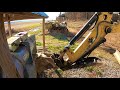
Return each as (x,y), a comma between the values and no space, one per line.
(23,26)
(74,27)
(113,40)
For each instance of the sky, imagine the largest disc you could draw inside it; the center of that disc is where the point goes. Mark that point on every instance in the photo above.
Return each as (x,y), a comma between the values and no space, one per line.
(52,15)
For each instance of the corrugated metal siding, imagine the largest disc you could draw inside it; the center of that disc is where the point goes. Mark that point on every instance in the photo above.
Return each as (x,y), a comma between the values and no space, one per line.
(41,14)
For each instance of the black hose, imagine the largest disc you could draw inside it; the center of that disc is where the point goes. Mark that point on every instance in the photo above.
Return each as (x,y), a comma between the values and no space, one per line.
(84,29)
(95,23)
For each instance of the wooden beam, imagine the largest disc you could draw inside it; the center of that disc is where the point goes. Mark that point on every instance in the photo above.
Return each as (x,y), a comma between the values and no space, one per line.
(22,15)
(117,55)
(6,62)
(9,25)
(43,25)
(86,15)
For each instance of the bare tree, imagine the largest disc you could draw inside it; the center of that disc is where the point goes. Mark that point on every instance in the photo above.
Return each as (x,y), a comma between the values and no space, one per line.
(75,16)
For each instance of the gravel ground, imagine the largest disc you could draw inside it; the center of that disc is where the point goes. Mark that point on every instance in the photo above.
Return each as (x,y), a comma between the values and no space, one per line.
(105,69)
(101,69)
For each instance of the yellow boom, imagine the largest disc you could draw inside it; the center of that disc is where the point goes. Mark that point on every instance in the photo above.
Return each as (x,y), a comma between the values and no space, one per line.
(104,23)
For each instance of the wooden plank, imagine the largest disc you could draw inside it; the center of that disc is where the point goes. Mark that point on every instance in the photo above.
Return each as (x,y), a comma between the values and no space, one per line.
(9,25)
(6,62)
(117,55)
(21,15)
(43,35)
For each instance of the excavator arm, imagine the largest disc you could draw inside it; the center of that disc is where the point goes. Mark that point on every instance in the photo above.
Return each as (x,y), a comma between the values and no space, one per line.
(102,23)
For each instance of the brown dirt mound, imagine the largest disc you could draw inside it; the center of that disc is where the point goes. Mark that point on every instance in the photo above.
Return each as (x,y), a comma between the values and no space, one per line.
(45,66)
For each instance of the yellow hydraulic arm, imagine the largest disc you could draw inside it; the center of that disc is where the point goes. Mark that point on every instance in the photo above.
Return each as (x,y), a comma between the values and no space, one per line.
(104,23)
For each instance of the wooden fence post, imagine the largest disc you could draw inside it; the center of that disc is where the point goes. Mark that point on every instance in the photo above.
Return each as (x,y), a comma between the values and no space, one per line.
(43,25)
(6,62)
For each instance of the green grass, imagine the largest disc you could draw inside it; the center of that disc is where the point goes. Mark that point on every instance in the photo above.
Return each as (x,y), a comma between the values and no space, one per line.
(54,43)
(33,26)
(55,49)
(94,69)
(34,32)
(38,43)
(89,68)
(73,47)
(99,72)
(57,43)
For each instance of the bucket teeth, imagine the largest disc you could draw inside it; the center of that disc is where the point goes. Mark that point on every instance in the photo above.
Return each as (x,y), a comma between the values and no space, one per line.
(59,62)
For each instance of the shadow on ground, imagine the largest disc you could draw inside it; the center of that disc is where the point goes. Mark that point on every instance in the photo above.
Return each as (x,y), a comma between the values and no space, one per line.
(108,49)
(62,35)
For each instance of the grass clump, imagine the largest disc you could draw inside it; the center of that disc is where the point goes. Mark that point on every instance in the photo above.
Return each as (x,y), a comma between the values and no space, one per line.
(33,26)
(55,49)
(89,68)
(94,69)
(38,43)
(35,32)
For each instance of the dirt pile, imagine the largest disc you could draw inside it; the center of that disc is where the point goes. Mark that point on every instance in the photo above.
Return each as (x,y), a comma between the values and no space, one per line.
(45,66)
(61,31)
(113,40)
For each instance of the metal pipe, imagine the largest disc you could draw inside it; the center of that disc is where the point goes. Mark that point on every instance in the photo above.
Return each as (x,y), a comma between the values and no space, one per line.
(84,29)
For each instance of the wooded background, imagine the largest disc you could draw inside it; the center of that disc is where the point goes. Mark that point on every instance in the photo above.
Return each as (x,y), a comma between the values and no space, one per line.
(75,16)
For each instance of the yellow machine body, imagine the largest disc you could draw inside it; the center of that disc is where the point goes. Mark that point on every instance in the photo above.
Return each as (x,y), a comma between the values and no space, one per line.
(85,44)
(104,25)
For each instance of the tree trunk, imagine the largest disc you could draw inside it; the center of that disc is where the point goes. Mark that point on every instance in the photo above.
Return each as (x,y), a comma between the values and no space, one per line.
(6,62)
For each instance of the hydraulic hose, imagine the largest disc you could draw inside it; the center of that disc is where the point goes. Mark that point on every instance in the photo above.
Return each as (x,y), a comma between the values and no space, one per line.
(84,29)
